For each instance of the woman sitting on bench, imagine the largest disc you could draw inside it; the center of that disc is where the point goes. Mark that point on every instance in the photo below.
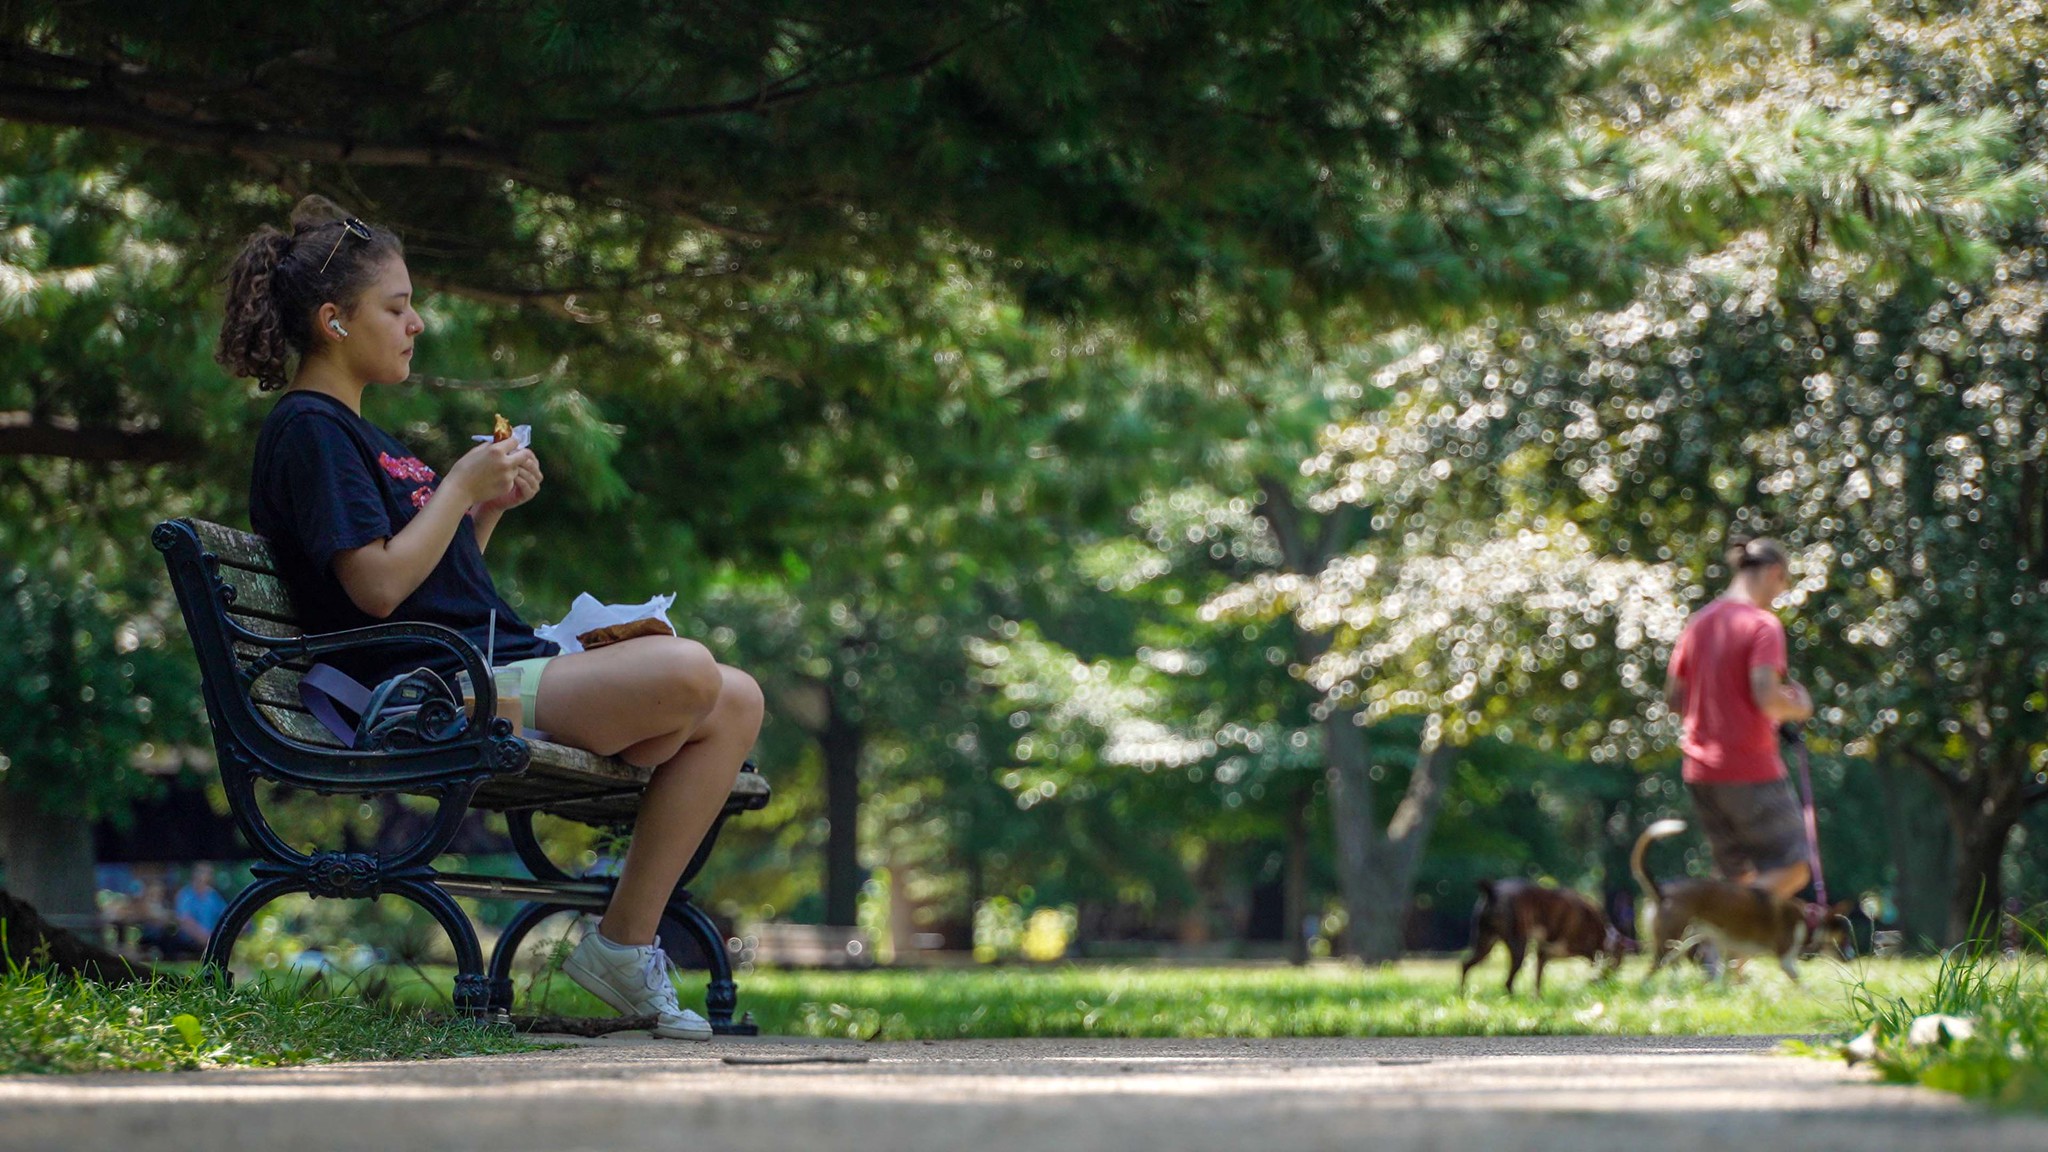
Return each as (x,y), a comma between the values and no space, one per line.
(364,532)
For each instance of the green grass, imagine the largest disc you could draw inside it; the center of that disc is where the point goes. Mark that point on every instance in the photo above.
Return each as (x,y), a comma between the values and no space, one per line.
(1416,998)
(61,1025)
(2005,1062)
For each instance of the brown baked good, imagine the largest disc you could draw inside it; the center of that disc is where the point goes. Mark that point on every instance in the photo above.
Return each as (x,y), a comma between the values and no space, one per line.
(613,633)
(501,428)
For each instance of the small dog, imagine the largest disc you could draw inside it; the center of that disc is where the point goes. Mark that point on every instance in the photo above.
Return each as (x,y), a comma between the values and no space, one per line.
(1559,923)
(1740,919)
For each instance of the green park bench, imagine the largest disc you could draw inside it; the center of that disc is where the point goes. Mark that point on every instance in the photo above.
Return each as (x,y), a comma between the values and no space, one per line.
(252,653)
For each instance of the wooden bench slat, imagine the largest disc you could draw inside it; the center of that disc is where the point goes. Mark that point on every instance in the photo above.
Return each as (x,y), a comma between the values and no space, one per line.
(280,687)
(264,626)
(260,594)
(299,726)
(247,652)
(564,762)
(236,547)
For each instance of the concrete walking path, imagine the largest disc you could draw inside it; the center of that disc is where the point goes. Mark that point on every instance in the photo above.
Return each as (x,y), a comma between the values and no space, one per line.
(1570,1094)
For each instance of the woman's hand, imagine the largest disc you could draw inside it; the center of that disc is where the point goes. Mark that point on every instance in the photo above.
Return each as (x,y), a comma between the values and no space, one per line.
(486,473)
(525,485)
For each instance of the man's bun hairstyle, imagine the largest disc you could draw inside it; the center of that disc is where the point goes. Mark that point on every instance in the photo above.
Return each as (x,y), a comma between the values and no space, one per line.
(1747,552)
(281,278)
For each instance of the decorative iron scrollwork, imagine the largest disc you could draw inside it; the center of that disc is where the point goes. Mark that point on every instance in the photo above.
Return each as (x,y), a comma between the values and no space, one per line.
(506,754)
(437,720)
(473,991)
(344,875)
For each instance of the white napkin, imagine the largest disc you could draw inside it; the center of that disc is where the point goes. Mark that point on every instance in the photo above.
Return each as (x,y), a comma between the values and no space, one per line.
(589,613)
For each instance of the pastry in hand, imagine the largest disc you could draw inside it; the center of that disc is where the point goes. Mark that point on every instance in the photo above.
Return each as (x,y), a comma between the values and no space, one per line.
(612,634)
(501,428)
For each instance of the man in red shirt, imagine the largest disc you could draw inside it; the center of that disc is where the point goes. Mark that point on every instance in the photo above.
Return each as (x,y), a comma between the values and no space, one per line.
(1727,681)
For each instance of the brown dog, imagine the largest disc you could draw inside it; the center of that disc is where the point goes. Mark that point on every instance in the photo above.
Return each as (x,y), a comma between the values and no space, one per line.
(1559,923)
(1742,920)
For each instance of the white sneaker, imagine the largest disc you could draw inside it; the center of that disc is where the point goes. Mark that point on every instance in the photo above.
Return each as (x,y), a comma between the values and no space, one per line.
(635,982)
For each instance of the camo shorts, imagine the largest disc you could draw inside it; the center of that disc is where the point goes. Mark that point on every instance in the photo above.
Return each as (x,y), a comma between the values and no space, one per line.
(1751,827)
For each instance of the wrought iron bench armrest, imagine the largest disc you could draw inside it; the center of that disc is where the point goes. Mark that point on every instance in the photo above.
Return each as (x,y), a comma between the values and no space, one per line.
(441,743)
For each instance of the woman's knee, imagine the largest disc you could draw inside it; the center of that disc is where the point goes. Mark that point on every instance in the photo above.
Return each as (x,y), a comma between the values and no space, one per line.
(742,694)
(688,679)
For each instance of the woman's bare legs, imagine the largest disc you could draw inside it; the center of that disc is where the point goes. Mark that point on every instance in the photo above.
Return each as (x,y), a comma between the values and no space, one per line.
(665,702)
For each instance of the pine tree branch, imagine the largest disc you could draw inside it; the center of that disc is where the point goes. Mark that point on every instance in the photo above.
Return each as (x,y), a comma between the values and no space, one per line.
(560,301)
(96,106)
(774,94)
(554,302)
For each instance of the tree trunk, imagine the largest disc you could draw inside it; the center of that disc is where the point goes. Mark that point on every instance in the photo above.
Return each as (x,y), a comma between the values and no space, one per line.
(1985,797)
(1922,852)
(1367,930)
(1377,868)
(50,862)
(1978,893)
(1294,887)
(841,741)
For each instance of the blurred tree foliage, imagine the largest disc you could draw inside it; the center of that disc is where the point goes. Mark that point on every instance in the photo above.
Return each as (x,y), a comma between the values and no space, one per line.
(694,227)
(1860,382)
(665,158)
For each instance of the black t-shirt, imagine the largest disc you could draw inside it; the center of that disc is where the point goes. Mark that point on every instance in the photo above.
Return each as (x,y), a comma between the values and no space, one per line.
(327,481)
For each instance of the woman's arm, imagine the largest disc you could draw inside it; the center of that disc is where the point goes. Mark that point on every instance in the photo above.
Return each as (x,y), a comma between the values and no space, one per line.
(486,522)
(379,576)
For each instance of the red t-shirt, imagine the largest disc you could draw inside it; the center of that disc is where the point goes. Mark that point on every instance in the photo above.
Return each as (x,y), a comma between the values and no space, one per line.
(1728,739)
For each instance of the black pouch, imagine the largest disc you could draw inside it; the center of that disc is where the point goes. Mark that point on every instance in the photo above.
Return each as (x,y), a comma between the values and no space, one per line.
(408,711)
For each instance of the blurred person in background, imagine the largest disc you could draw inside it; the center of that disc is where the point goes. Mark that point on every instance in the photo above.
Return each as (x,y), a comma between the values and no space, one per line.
(198,907)
(1728,682)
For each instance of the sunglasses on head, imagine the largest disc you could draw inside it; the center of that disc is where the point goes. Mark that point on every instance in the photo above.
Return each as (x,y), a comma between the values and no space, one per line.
(349,227)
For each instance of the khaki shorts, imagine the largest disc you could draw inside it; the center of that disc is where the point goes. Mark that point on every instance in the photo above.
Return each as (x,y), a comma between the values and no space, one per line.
(1751,827)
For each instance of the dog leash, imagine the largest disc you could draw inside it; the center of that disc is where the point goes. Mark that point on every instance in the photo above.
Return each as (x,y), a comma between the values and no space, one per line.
(1793,736)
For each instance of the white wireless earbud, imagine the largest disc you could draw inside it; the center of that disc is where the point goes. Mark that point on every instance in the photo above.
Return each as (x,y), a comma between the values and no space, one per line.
(338,329)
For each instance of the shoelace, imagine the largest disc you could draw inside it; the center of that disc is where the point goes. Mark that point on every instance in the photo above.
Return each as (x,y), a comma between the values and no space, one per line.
(654,970)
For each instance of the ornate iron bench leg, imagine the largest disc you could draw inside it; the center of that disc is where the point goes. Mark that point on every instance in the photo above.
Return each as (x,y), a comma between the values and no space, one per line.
(240,910)
(721,994)
(472,988)
(523,922)
(335,875)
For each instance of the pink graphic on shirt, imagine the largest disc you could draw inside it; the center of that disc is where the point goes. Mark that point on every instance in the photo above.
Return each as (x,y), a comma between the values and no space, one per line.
(407,468)
(421,495)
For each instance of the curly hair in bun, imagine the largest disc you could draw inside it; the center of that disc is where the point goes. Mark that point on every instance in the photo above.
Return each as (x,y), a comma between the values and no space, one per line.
(281,278)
